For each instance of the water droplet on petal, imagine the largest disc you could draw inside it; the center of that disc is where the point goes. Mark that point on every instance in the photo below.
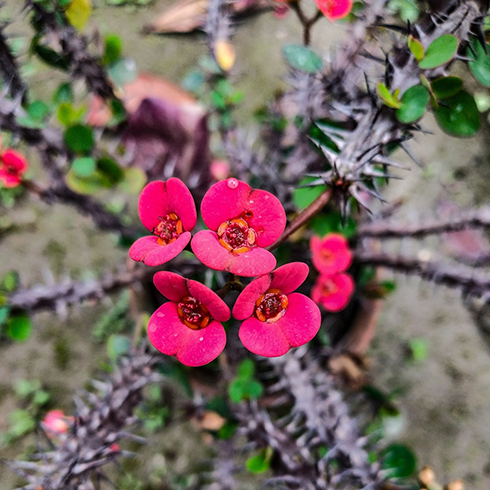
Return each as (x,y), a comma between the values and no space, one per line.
(232,183)
(251,202)
(201,339)
(152,327)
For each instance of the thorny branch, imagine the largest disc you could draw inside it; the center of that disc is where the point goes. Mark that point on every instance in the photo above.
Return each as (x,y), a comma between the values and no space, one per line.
(468,280)
(479,218)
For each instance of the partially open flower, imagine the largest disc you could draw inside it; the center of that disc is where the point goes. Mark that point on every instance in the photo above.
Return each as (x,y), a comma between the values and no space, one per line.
(330,254)
(168,210)
(13,166)
(334,9)
(274,319)
(241,222)
(56,422)
(189,325)
(333,292)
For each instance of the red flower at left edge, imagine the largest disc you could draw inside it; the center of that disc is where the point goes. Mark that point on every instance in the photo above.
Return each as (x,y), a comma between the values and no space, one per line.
(189,325)
(13,166)
(275,318)
(168,210)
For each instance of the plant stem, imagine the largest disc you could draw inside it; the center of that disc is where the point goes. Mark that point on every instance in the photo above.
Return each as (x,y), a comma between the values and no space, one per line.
(305,22)
(303,217)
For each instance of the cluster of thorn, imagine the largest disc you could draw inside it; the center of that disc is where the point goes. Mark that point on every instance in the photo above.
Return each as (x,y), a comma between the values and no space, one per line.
(75,460)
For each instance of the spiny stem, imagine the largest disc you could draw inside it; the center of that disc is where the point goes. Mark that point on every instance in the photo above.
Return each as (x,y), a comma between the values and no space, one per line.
(303,217)
(305,21)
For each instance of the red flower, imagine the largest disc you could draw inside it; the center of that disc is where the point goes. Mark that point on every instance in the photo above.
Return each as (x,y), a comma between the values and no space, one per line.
(330,254)
(167,209)
(333,292)
(188,327)
(241,222)
(334,9)
(56,422)
(13,166)
(275,319)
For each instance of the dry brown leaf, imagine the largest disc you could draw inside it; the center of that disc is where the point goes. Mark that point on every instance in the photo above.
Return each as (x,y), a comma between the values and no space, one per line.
(209,420)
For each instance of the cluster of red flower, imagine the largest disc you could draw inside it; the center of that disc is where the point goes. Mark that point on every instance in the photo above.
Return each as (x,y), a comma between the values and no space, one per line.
(242,222)
(13,166)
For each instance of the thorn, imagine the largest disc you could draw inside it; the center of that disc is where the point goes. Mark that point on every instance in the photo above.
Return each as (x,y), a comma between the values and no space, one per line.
(409,152)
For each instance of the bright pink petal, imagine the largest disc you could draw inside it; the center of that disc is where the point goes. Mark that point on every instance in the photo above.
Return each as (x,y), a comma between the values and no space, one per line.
(232,198)
(202,346)
(342,286)
(245,303)
(9,180)
(289,277)
(331,254)
(153,204)
(334,9)
(301,321)
(147,249)
(210,252)
(262,338)
(161,198)
(165,330)
(171,285)
(216,306)
(255,262)
(191,347)
(181,202)
(13,158)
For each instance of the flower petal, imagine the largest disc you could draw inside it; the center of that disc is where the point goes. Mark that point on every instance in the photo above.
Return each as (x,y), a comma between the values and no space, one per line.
(181,202)
(289,277)
(200,347)
(13,158)
(217,307)
(301,321)
(147,249)
(9,180)
(153,204)
(171,285)
(245,303)
(334,9)
(331,254)
(264,339)
(206,246)
(165,330)
(338,300)
(255,262)
(232,198)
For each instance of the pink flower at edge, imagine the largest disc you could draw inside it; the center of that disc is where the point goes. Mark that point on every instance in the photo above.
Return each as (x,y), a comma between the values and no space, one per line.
(333,292)
(13,166)
(241,221)
(330,254)
(56,422)
(189,325)
(334,9)
(168,210)
(275,318)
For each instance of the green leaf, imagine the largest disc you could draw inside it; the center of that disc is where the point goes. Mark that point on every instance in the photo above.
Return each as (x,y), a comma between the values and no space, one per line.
(237,390)
(21,423)
(19,328)
(304,196)
(117,345)
(458,115)
(38,110)
(110,171)
(440,51)
(134,180)
(28,122)
(321,224)
(246,369)
(413,104)
(113,49)
(302,58)
(194,81)
(85,185)
(4,314)
(416,48)
(78,13)
(10,281)
(79,138)
(386,96)
(446,87)
(418,349)
(228,430)
(41,397)
(480,67)
(64,93)
(119,113)
(68,115)
(399,460)
(51,57)
(123,71)
(261,462)
(254,389)
(83,166)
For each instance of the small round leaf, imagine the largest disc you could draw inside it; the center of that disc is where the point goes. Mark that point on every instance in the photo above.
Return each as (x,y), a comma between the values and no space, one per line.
(19,328)
(458,115)
(83,166)
(79,138)
(413,104)
(399,460)
(439,52)
(446,87)
(302,58)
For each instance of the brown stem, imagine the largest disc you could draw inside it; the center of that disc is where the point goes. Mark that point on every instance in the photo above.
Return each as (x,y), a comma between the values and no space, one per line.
(305,22)
(303,217)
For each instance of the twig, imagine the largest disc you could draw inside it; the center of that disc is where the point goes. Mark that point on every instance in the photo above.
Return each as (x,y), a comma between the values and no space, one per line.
(469,280)
(303,217)
(473,219)
(305,21)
